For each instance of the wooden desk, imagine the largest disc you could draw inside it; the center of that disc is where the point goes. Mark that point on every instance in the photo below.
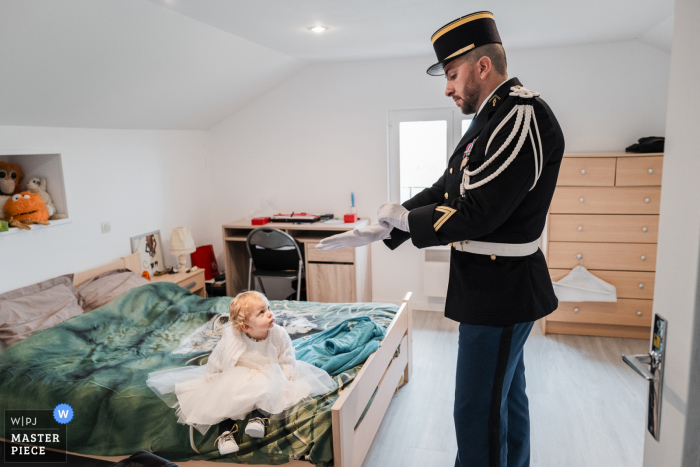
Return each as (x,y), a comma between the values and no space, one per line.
(331,276)
(193,281)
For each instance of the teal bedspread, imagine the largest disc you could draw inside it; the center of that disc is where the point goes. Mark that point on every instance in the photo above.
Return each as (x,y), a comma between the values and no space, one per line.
(98,363)
(343,346)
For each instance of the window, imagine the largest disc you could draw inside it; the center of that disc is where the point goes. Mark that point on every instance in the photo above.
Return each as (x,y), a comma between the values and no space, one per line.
(420,144)
(422,149)
(465,125)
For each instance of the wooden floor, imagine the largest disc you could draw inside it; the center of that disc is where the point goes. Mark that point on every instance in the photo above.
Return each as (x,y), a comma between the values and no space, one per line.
(587,408)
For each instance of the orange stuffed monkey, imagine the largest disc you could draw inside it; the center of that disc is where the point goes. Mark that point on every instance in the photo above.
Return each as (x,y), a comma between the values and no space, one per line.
(10,175)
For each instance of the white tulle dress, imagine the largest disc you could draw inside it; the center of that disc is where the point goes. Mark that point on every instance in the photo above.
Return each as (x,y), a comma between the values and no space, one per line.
(240,376)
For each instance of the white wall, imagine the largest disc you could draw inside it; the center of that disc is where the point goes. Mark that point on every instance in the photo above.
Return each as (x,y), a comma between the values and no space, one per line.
(308,143)
(305,145)
(138,180)
(677,290)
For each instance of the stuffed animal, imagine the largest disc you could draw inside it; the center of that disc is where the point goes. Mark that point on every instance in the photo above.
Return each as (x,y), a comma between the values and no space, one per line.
(3,201)
(10,175)
(26,208)
(38,185)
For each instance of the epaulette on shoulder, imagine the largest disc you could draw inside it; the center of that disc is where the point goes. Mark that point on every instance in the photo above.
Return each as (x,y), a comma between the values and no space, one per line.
(522,92)
(524,115)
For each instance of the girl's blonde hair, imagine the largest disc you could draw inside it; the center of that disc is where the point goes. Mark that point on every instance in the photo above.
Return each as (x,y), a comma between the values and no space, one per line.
(241,306)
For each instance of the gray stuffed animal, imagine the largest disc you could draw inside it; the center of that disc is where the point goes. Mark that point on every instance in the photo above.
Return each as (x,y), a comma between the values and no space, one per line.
(38,185)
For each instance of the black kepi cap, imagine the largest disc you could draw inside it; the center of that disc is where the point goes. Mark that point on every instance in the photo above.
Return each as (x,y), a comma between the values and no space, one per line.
(462,35)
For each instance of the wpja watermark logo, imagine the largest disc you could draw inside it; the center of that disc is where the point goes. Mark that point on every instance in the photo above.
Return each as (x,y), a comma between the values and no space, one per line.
(37,435)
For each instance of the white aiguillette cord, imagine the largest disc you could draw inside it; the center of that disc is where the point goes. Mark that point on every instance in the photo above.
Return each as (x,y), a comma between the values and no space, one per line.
(525,113)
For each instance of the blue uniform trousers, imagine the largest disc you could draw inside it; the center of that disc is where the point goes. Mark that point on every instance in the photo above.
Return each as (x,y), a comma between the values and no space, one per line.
(491,413)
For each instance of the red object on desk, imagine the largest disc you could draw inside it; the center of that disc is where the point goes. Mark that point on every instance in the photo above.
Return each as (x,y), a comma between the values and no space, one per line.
(350,218)
(260,220)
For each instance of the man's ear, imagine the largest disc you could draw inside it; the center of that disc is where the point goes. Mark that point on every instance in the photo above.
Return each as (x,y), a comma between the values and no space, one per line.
(484,67)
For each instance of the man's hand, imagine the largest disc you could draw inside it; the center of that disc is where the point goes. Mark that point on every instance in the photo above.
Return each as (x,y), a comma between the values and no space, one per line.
(393,215)
(355,238)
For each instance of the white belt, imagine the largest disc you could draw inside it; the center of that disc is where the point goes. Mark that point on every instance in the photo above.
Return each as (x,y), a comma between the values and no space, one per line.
(496,249)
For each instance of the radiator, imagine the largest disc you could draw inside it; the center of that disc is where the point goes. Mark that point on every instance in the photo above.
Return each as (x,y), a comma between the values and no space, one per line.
(436,272)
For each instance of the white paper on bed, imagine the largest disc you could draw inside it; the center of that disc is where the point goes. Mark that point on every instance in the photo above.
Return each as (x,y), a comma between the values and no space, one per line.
(581,286)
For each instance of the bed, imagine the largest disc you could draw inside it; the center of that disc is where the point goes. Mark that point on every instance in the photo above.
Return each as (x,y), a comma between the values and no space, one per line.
(167,326)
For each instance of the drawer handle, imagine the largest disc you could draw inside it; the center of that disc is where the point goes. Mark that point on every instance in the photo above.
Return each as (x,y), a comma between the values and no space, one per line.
(644,258)
(646,200)
(579,256)
(580,200)
(575,310)
(651,171)
(644,229)
(190,285)
(641,286)
(639,313)
(583,171)
(580,228)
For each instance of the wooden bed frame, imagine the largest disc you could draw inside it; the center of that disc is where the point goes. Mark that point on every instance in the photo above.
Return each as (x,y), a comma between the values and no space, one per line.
(381,372)
(131,262)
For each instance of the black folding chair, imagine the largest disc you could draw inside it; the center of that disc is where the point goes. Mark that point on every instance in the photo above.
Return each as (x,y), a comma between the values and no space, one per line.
(274,253)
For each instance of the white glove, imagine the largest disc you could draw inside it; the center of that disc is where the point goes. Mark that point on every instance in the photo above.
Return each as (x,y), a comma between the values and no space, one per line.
(393,215)
(355,238)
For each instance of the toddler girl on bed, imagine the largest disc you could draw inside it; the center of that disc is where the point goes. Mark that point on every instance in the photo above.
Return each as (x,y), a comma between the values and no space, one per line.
(251,368)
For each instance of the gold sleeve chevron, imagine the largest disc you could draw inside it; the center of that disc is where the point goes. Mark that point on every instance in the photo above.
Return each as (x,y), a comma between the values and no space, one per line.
(446,214)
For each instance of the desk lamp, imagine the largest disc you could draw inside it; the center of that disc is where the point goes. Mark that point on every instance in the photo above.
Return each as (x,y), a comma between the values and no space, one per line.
(181,244)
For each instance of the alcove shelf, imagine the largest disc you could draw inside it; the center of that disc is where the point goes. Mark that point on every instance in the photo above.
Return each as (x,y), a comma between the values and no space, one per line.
(44,165)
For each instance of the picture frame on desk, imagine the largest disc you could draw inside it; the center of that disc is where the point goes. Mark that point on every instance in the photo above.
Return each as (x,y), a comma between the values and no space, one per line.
(150,249)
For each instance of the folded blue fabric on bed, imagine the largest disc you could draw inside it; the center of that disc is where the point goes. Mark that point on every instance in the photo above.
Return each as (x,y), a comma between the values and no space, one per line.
(343,346)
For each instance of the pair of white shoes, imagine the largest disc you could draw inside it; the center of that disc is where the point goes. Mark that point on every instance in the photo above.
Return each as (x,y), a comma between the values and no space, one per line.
(255,429)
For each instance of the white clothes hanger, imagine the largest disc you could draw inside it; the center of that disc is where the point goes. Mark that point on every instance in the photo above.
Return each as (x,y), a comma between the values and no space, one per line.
(580,285)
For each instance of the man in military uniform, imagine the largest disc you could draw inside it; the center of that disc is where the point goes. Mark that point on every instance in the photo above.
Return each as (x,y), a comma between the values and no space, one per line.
(490,205)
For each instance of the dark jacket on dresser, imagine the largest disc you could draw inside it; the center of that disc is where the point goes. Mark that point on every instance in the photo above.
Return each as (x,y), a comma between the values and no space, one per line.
(482,290)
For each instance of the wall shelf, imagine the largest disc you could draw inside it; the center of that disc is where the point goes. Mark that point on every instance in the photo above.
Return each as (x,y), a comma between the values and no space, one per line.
(36,227)
(44,165)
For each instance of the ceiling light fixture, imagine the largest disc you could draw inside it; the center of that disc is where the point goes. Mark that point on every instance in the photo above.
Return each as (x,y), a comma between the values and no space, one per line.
(318,29)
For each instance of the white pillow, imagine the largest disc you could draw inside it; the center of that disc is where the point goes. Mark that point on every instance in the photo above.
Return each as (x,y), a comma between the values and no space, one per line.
(24,314)
(106,287)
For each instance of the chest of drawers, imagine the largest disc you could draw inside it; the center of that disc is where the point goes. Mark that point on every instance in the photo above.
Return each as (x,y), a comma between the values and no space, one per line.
(605,215)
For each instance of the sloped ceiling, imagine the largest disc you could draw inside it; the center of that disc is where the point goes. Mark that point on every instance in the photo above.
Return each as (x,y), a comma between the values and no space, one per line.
(125,64)
(365,29)
(188,64)
(660,36)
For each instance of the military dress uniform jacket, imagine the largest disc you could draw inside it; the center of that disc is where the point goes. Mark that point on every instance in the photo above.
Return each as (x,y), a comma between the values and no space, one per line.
(483,290)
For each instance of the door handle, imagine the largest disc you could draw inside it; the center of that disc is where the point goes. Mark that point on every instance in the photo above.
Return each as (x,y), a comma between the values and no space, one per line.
(654,372)
(638,362)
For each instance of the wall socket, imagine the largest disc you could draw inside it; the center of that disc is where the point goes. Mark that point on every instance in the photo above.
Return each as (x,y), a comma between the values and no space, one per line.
(106,228)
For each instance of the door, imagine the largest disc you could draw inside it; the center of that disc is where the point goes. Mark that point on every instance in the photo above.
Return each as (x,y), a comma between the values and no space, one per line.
(676,290)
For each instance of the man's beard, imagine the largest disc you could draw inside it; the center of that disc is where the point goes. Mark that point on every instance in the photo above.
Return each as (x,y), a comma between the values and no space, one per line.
(470,100)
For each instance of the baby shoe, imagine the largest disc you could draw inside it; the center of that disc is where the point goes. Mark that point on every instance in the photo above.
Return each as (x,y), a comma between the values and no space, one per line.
(226,443)
(256,427)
